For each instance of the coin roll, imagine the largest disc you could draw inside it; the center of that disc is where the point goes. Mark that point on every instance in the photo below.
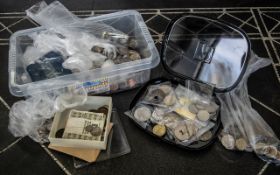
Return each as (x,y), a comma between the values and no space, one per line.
(203,115)
(142,113)
(159,130)
(206,136)
(241,144)
(181,133)
(228,141)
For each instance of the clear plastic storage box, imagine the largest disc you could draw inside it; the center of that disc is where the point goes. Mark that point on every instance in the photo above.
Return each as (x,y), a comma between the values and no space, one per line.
(100,80)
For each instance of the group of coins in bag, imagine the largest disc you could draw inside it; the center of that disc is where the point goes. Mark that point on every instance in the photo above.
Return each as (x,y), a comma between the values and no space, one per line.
(234,138)
(176,113)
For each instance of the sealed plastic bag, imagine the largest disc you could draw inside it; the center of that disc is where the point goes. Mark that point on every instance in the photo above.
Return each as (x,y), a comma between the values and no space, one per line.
(32,117)
(244,129)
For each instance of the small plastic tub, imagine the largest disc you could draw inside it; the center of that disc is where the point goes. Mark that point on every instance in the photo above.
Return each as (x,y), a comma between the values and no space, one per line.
(116,78)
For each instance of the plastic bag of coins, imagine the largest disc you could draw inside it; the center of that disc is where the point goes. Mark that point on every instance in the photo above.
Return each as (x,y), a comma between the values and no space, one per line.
(166,110)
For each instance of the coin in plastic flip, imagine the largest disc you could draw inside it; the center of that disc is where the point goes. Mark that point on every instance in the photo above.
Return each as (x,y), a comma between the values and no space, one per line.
(228,141)
(159,130)
(241,144)
(156,96)
(165,88)
(193,109)
(142,113)
(169,100)
(203,115)
(181,133)
(206,136)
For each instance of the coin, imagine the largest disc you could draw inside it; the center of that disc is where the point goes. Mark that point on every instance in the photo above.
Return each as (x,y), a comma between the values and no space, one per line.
(192,129)
(88,128)
(199,106)
(59,133)
(212,107)
(96,130)
(169,100)
(156,96)
(142,113)
(181,133)
(270,151)
(193,109)
(165,88)
(131,82)
(97,49)
(157,115)
(206,136)
(103,109)
(228,141)
(159,130)
(241,144)
(145,53)
(203,115)
(133,55)
(133,43)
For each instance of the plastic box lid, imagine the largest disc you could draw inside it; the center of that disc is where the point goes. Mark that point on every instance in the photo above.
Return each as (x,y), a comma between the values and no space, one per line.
(205,50)
(125,21)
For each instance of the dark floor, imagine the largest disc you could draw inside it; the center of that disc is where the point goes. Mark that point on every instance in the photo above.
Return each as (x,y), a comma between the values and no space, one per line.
(149,156)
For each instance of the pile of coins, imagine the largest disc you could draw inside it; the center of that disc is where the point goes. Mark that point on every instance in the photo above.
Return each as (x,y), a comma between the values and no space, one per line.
(127,49)
(162,111)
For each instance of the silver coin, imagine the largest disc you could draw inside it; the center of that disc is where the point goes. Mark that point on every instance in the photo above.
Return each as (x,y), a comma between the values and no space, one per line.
(228,141)
(206,136)
(169,100)
(203,115)
(142,113)
(193,109)
(157,115)
(181,133)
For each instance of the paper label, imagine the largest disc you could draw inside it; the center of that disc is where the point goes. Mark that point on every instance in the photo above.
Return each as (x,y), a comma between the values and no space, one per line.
(97,86)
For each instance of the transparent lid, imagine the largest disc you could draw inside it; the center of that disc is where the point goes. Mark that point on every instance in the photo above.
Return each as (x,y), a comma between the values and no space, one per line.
(206,50)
